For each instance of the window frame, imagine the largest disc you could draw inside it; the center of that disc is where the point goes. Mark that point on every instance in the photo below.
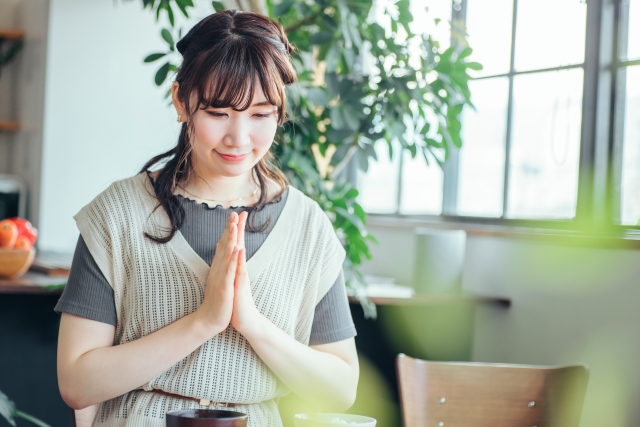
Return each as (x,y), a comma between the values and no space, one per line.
(600,166)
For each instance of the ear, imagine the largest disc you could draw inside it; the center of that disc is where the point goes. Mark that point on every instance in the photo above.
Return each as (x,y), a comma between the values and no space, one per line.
(179,106)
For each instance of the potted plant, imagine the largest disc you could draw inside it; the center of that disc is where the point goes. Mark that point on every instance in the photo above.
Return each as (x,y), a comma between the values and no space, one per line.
(358,84)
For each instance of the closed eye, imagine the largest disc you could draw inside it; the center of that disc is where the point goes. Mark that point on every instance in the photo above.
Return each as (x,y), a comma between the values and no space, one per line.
(262,115)
(216,114)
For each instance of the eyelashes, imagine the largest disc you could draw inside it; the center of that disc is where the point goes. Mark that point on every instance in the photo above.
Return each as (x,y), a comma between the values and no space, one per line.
(257,115)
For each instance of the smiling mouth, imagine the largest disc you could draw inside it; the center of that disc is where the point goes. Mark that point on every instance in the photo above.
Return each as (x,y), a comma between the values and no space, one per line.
(232,157)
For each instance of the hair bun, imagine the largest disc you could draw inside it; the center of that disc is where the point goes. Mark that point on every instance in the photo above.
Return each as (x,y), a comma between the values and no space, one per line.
(183,44)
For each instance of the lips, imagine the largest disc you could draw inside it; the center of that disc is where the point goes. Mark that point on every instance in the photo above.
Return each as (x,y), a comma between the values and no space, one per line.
(233,158)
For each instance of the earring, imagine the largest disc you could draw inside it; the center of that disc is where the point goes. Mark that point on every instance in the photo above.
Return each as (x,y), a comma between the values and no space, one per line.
(179,118)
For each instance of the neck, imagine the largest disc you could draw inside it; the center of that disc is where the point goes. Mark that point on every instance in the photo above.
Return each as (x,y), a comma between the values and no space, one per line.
(223,189)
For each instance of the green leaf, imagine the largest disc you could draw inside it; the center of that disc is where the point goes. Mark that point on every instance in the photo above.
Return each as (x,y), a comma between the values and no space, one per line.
(354,30)
(337,120)
(318,97)
(474,66)
(161,75)
(339,135)
(329,22)
(357,209)
(465,53)
(333,86)
(7,409)
(217,6)
(321,37)
(166,35)
(154,57)
(182,5)
(332,58)
(349,57)
(282,8)
(353,219)
(351,118)
(170,15)
(351,194)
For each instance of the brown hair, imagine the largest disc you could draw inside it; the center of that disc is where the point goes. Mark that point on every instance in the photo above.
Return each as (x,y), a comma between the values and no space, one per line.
(224,55)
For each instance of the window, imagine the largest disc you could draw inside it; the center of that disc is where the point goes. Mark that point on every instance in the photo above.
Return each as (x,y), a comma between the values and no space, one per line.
(530,150)
(628,112)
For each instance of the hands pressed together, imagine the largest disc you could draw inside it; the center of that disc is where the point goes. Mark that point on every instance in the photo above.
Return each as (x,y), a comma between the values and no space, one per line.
(227,295)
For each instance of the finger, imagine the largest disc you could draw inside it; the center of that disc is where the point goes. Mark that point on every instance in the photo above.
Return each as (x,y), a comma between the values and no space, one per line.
(234,217)
(232,238)
(241,267)
(232,266)
(242,220)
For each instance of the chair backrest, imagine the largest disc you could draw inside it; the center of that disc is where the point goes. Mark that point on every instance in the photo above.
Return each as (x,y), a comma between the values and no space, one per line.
(458,394)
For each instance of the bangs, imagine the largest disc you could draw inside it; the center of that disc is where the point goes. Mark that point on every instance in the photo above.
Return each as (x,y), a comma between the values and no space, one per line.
(233,69)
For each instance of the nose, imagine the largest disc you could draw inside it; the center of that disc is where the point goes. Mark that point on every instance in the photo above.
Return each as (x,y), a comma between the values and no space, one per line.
(238,135)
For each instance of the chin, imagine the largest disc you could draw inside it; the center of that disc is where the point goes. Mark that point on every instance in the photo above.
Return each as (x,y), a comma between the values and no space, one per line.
(231,170)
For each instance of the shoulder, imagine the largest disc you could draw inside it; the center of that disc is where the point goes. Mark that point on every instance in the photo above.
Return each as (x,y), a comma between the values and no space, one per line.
(311,213)
(119,194)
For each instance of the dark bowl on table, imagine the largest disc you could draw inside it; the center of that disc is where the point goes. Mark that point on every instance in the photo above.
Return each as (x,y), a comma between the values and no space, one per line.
(206,418)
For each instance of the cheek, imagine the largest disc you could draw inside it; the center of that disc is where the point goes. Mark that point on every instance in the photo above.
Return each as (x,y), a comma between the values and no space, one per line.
(207,132)
(263,133)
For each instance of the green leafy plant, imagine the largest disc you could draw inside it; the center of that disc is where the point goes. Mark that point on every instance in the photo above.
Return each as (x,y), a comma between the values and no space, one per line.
(360,82)
(9,412)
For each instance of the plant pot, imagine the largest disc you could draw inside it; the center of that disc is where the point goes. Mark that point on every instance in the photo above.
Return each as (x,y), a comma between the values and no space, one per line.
(15,262)
(206,418)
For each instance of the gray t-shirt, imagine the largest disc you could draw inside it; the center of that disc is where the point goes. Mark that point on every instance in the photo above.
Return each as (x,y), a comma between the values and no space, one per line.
(89,295)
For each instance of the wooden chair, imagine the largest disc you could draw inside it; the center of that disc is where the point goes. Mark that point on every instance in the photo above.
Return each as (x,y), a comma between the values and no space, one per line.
(452,394)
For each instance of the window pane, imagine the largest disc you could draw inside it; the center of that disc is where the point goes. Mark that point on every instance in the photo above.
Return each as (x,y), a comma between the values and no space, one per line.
(550,33)
(378,187)
(421,186)
(631,149)
(489,29)
(543,163)
(633,38)
(481,167)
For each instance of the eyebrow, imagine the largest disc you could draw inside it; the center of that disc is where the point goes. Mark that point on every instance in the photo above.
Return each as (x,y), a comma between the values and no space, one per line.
(261,104)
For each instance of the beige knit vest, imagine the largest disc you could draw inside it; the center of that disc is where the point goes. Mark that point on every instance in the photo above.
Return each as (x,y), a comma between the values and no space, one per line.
(156,284)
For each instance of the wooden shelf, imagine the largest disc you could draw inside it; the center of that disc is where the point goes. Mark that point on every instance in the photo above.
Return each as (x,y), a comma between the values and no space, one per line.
(9,34)
(9,126)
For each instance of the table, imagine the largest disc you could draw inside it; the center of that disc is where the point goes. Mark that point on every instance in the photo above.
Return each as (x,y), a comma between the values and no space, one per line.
(433,326)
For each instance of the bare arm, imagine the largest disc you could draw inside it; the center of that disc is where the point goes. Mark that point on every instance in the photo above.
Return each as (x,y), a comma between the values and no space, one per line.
(326,375)
(91,369)
(84,417)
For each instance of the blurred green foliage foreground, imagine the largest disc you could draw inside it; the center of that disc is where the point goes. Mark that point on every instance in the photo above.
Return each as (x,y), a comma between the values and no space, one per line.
(365,76)
(9,412)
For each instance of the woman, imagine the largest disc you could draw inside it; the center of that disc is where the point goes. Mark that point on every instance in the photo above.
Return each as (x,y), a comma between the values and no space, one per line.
(149,324)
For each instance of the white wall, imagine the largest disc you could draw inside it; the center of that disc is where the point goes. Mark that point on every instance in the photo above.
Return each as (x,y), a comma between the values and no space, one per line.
(570,305)
(104,115)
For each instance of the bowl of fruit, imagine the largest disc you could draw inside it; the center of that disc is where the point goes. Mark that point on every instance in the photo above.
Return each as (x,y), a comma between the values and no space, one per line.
(17,250)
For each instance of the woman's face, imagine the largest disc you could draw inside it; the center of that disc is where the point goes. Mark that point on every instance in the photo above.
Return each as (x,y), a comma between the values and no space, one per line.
(228,142)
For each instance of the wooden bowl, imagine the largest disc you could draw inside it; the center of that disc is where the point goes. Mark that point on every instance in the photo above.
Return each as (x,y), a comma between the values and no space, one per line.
(15,262)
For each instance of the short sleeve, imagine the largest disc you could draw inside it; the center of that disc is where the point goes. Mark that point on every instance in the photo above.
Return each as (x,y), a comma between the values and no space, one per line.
(332,321)
(87,293)
(333,255)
